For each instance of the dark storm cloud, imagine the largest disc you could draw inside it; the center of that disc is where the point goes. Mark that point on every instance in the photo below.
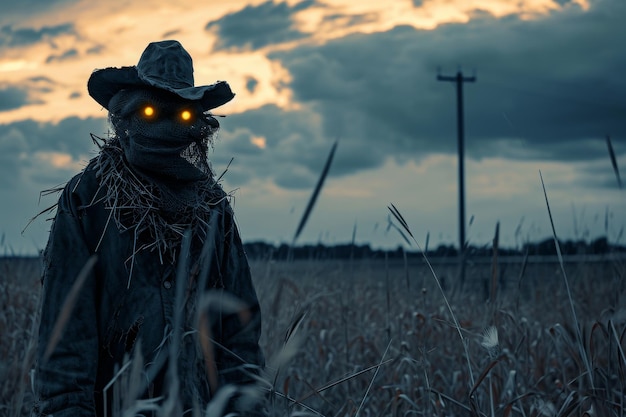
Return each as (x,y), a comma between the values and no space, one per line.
(12,97)
(254,27)
(96,49)
(563,2)
(12,146)
(278,127)
(39,85)
(251,84)
(170,33)
(239,144)
(296,148)
(547,88)
(70,135)
(16,37)
(13,7)
(69,54)
(293,179)
(294,153)
(342,20)
(41,79)
(21,141)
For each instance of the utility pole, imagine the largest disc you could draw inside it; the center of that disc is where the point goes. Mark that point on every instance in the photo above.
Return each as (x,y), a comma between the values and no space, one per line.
(459,80)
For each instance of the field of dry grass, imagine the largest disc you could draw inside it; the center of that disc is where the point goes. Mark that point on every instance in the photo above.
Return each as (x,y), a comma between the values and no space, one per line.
(376,338)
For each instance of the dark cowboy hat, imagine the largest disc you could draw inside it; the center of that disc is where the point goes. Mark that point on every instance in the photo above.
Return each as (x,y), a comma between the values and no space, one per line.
(164,65)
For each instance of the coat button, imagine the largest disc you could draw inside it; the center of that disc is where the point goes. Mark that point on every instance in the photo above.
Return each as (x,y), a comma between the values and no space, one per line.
(167,284)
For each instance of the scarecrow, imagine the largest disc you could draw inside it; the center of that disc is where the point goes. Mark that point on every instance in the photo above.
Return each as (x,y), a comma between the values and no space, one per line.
(147,292)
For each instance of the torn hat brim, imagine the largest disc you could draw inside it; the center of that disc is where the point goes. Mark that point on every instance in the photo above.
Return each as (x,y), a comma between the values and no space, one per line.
(104,83)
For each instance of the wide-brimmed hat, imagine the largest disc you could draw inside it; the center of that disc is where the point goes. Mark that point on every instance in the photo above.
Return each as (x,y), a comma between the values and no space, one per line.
(165,65)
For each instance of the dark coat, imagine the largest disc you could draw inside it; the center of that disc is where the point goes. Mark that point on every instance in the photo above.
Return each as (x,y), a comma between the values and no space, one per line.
(117,317)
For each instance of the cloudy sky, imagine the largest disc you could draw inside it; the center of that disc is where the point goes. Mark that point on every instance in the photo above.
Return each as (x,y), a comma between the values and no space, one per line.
(549,87)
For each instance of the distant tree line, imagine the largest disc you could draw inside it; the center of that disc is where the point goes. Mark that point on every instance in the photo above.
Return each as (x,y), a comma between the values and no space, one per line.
(263,250)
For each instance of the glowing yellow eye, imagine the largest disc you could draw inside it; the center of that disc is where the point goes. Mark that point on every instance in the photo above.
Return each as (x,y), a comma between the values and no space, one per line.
(185,115)
(148,111)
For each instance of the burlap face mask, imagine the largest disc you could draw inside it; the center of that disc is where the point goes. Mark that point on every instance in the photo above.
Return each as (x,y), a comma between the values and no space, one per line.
(162,135)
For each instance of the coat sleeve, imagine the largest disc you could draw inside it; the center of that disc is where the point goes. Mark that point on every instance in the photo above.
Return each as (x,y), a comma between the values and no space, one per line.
(65,379)
(240,359)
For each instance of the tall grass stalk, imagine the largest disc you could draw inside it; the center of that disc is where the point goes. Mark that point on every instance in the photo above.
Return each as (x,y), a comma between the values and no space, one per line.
(348,293)
(618,344)
(29,358)
(111,384)
(316,191)
(343,379)
(579,338)
(406,270)
(388,297)
(457,325)
(288,350)
(494,267)
(519,279)
(369,387)
(613,160)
